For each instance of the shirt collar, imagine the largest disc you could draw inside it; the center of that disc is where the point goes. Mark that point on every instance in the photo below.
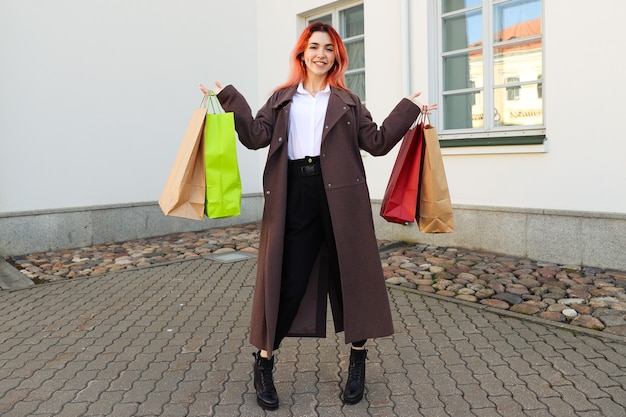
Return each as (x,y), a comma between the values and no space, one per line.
(301,89)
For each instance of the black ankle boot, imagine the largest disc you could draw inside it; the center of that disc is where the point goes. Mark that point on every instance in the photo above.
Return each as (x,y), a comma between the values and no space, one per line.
(266,395)
(355,385)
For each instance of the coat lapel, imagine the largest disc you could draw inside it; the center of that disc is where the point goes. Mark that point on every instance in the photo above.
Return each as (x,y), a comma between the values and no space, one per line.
(339,103)
(284,97)
(281,107)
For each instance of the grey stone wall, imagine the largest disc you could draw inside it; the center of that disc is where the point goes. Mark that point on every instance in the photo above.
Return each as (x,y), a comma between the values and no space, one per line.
(40,231)
(562,237)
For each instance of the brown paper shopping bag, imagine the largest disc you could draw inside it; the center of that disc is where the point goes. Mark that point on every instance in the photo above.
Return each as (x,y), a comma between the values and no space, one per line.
(184,191)
(434,206)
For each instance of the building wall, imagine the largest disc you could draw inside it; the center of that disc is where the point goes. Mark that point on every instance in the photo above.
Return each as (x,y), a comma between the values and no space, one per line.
(581,167)
(96,97)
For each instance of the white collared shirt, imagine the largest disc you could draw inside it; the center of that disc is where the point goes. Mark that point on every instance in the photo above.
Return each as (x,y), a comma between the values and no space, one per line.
(306,122)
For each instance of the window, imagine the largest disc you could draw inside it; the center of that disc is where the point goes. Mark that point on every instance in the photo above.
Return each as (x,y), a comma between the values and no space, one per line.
(490,70)
(349,22)
(512,93)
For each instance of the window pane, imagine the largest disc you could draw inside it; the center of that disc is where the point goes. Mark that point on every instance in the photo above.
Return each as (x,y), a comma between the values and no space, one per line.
(327,19)
(512,93)
(493,80)
(356,54)
(521,61)
(463,111)
(352,22)
(516,19)
(462,31)
(463,71)
(525,110)
(452,5)
(356,83)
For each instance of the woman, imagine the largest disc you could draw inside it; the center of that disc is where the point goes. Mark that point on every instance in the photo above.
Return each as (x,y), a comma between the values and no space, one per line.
(317,234)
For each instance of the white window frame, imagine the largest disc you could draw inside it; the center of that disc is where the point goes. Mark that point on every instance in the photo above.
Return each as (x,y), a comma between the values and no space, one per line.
(488,136)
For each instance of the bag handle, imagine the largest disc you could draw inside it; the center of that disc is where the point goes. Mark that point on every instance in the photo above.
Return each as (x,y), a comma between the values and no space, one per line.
(426,118)
(420,119)
(203,103)
(210,99)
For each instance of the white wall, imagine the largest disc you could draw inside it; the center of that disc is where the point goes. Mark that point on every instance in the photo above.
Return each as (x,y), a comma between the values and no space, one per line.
(384,44)
(95,95)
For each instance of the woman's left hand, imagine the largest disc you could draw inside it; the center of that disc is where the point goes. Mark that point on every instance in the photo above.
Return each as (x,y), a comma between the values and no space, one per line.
(219,87)
(426,108)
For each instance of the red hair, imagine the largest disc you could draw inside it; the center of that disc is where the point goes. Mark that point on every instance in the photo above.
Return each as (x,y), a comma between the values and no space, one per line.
(336,75)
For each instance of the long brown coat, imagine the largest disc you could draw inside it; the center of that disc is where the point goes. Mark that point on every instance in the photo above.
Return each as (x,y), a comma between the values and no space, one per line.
(360,304)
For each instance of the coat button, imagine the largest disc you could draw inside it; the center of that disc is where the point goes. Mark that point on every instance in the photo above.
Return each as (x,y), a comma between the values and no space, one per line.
(268,192)
(326,127)
(280,139)
(348,122)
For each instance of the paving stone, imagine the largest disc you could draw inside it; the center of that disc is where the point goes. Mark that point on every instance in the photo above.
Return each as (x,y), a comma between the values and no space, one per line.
(101,346)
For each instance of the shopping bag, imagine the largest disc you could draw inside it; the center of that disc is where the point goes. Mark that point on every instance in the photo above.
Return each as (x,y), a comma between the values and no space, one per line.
(400,200)
(434,204)
(184,191)
(223,183)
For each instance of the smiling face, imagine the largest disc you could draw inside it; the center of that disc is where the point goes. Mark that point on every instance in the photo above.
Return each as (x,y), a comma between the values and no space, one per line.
(319,55)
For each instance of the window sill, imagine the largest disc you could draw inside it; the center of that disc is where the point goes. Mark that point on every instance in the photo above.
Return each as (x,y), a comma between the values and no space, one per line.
(494,150)
(494,145)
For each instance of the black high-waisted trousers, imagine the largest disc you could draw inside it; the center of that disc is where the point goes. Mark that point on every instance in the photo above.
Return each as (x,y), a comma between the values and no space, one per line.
(307,226)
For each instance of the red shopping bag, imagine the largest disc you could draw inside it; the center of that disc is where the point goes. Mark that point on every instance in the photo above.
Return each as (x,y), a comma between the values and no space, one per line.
(400,200)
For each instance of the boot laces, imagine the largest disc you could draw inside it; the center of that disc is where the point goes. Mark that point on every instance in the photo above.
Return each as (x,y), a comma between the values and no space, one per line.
(265,368)
(266,379)
(356,368)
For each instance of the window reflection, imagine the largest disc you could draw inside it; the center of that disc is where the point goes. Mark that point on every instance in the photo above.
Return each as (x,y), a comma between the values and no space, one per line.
(452,5)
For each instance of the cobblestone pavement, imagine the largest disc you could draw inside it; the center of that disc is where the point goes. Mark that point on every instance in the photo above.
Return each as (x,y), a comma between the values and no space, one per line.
(171,340)
(581,296)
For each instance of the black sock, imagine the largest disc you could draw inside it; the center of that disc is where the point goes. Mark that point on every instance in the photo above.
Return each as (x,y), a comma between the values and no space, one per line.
(359,344)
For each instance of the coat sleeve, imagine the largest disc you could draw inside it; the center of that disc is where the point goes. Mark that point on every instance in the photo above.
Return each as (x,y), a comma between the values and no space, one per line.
(379,141)
(254,132)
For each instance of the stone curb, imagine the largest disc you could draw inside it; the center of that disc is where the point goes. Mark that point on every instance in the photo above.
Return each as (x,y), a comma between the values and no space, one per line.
(11,278)
(112,273)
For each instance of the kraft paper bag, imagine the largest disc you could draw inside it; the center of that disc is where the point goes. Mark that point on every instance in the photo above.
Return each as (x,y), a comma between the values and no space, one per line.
(434,206)
(400,200)
(184,192)
(223,182)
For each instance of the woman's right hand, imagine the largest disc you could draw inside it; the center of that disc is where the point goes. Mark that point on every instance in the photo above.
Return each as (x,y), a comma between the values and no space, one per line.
(425,108)
(218,85)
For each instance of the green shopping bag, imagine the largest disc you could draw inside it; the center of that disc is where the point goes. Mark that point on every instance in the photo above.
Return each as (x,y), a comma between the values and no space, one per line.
(223,183)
